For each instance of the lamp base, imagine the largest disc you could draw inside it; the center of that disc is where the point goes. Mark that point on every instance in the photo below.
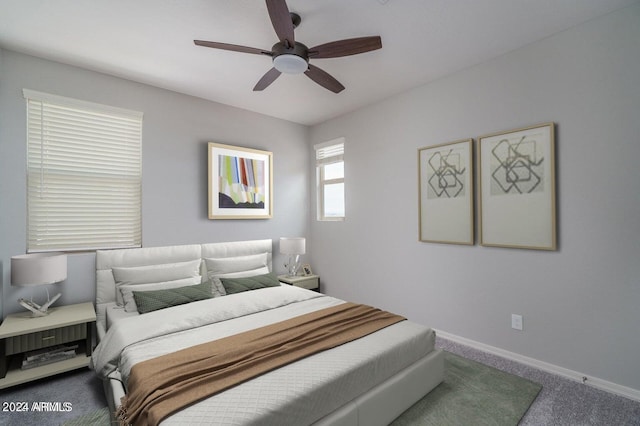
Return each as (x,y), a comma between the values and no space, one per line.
(292,265)
(37,310)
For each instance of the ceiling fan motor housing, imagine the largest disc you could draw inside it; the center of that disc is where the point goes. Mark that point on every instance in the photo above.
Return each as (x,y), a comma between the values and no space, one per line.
(290,60)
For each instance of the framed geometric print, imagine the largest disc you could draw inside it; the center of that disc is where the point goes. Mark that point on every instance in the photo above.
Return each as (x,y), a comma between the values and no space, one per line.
(517,188)
(445,182)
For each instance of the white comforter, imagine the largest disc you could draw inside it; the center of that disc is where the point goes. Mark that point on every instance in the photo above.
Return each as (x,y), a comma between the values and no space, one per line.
(187,322)
(297,394)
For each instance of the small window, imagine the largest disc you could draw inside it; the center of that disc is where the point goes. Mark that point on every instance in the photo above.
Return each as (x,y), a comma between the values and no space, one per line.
(84,175)
(330,179)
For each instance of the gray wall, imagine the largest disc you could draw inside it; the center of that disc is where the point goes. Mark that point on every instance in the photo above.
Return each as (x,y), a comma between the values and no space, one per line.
(176,130)
(580,303)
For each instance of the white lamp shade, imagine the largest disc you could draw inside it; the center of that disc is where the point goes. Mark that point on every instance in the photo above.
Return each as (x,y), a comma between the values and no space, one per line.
(294,245)
(38,269)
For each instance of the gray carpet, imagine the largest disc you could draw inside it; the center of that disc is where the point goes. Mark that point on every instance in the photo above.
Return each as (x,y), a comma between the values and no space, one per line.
(81,388)
(560,402)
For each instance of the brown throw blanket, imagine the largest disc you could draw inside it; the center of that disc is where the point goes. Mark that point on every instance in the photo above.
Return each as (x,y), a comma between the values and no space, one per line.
(161,386)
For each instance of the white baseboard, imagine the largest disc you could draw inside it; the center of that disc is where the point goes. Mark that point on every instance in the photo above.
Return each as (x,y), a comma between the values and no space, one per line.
(595,382)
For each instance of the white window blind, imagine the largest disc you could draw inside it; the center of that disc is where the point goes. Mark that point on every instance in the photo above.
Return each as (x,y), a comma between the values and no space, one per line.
(331,153)
(84,175)
(330,179)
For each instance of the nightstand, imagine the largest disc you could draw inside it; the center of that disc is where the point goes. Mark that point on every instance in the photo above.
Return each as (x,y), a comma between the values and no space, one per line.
(310,282)
(20,333)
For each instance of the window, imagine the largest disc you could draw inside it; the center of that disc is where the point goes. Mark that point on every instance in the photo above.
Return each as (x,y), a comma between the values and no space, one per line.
(84,175)
(330,178)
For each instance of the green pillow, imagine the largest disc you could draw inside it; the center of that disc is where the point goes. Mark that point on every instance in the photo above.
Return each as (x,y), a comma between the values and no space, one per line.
(237,285)
(153,300)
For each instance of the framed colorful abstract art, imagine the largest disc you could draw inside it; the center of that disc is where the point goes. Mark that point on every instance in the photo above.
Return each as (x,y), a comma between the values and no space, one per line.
(517,188)
(240,182)
(445,182)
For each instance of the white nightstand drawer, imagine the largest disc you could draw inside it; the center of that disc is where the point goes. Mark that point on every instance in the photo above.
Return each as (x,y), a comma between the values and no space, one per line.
(46,338)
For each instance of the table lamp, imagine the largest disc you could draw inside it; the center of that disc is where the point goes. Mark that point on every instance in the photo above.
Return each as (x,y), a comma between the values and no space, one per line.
(293,247)
(36,270)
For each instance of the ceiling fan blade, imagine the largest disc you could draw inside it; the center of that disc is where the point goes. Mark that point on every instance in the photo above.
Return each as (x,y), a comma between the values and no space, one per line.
(232,47)
(281,20)
(324,79)
(267,79)
(351,46)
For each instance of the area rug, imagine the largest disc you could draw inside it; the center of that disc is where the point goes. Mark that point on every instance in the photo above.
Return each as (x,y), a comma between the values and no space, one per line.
(97,418)
(472,394)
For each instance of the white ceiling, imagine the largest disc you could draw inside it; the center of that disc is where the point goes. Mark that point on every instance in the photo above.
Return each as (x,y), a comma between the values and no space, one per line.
(151,41)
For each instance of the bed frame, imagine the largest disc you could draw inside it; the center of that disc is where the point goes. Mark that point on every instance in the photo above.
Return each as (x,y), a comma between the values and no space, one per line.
(379,406)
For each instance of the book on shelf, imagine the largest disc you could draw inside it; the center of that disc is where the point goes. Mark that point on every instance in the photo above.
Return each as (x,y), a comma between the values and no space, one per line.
(48,355)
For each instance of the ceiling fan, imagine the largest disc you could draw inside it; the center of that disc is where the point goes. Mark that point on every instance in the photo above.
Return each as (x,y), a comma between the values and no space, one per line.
(292,57)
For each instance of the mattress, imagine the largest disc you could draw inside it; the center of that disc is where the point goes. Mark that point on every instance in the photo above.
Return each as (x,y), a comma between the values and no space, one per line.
(114,313)
(299,393)
(304,392)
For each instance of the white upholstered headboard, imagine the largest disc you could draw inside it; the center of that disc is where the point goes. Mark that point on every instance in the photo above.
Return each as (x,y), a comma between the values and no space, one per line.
(108,259)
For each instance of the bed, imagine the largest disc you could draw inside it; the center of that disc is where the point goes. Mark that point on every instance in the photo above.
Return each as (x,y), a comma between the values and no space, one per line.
(367,381)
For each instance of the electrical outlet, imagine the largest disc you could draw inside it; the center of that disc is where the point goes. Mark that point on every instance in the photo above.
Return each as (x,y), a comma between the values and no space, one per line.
(516,321)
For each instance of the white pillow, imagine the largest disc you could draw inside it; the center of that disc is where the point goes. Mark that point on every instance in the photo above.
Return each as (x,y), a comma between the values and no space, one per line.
(234,267)
(154,274)
(217,289)
(218,266)
(242,274)
(127,290)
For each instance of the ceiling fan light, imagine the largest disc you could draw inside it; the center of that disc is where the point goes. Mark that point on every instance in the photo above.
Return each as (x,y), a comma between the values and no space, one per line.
(290,64)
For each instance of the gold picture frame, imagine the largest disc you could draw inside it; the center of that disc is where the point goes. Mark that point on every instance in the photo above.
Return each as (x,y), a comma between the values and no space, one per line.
(446,193)
(240,182)
(518,188)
